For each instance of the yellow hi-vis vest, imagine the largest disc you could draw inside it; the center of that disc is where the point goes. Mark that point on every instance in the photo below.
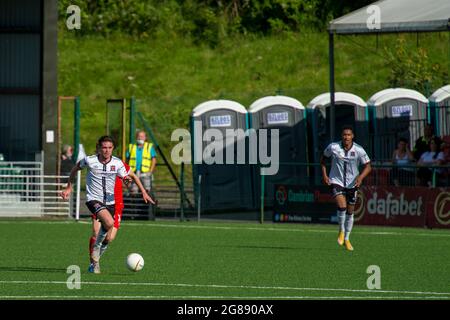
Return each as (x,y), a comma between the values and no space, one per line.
(146,157)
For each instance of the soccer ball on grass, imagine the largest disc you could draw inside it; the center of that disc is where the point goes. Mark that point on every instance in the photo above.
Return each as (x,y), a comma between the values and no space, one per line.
(135,262)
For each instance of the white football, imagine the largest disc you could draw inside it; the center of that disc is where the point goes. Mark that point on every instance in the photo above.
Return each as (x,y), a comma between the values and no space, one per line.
(135,262)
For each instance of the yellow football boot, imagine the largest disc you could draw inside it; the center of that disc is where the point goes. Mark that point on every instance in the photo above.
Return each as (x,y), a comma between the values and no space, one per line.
(348,245)
(340,239)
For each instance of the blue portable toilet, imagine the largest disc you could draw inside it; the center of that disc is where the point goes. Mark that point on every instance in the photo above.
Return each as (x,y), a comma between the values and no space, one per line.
(396,113)
(225,185)
(288,116)
(439,111)
(350,109)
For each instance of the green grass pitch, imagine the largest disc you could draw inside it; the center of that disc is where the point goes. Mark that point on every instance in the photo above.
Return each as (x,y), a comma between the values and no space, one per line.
(213,260)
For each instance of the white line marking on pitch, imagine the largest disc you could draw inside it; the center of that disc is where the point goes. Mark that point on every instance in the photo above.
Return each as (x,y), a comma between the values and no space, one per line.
(287,230)
(156,284)
(158,225)
(222,297)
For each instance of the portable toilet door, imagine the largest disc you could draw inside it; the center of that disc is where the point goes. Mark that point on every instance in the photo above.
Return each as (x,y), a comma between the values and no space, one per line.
(440,111)
(396,113)
(220,183)
(287,115)
(349,110)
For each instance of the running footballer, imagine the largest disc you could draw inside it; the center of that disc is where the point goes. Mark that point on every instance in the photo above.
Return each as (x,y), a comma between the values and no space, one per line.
(344,179)
(103,168)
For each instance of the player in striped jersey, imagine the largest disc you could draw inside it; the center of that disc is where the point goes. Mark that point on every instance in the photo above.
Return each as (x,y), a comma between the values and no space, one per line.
(118,210)
(345,179)
(103,168)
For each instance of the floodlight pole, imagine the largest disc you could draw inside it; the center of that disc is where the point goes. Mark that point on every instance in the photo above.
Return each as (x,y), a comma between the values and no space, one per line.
(332,89)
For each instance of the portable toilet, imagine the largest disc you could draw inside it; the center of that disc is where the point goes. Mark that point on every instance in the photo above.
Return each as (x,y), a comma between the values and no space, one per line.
(440,111)
(349,110)
(220,182)
(288,116)
(396,113)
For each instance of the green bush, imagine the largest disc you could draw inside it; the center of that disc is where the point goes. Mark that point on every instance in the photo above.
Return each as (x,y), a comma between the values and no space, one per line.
(134,17)
(206,21)
(413,68)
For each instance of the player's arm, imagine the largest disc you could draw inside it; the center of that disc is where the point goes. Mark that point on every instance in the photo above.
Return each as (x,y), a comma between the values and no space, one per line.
(138,182)
(66,192)
(359,179)
(325,177)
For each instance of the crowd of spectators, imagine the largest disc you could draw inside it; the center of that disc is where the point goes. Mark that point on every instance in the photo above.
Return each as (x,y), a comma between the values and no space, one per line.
(423,164)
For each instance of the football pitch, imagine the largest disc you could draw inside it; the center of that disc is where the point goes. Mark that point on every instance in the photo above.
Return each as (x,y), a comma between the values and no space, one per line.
(214,260)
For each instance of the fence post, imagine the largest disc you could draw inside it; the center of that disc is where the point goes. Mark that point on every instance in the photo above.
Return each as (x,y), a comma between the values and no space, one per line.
(182,192)
(199,197)
(41,186)
(261,218)
(27,188)
(77,204)
(433,182)
(76,128)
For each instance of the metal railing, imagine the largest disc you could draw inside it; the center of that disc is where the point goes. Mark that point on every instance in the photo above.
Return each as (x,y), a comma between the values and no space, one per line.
(26,192)
(172,198)
(382,174)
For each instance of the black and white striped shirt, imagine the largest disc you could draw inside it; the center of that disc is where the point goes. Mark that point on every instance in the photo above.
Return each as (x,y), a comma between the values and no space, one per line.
(345,164)
(101,178)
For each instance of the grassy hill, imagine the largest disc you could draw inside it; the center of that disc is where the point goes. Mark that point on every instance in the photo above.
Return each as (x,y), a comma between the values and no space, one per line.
(170,76)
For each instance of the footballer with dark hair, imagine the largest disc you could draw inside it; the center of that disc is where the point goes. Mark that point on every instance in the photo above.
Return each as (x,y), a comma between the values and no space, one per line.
(344,179)
(103,168)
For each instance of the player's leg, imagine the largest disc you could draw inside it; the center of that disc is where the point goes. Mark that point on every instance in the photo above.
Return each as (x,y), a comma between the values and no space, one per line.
(95,229)
(113,231)
(351,196)
(99,212)
(341,204)
(341,211)
(112,235)
(107,223)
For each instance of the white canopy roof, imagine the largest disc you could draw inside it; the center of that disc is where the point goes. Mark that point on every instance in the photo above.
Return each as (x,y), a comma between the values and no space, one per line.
(440,94)
(275,100)
(339,98)
(396,16)
(385,95)
(218,104)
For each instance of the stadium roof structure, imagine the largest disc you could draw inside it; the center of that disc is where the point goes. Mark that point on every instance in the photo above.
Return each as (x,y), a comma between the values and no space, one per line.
(274,100)
(395,16)
(440,94)
(216,105)
(340,97)
(383,96)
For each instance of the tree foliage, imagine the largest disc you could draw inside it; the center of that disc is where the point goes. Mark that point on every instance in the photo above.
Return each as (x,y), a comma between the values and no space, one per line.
(412,68)
(205,20)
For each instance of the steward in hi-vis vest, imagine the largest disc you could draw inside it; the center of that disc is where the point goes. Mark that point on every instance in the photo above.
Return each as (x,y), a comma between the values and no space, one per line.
(141,158)
(146,158)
